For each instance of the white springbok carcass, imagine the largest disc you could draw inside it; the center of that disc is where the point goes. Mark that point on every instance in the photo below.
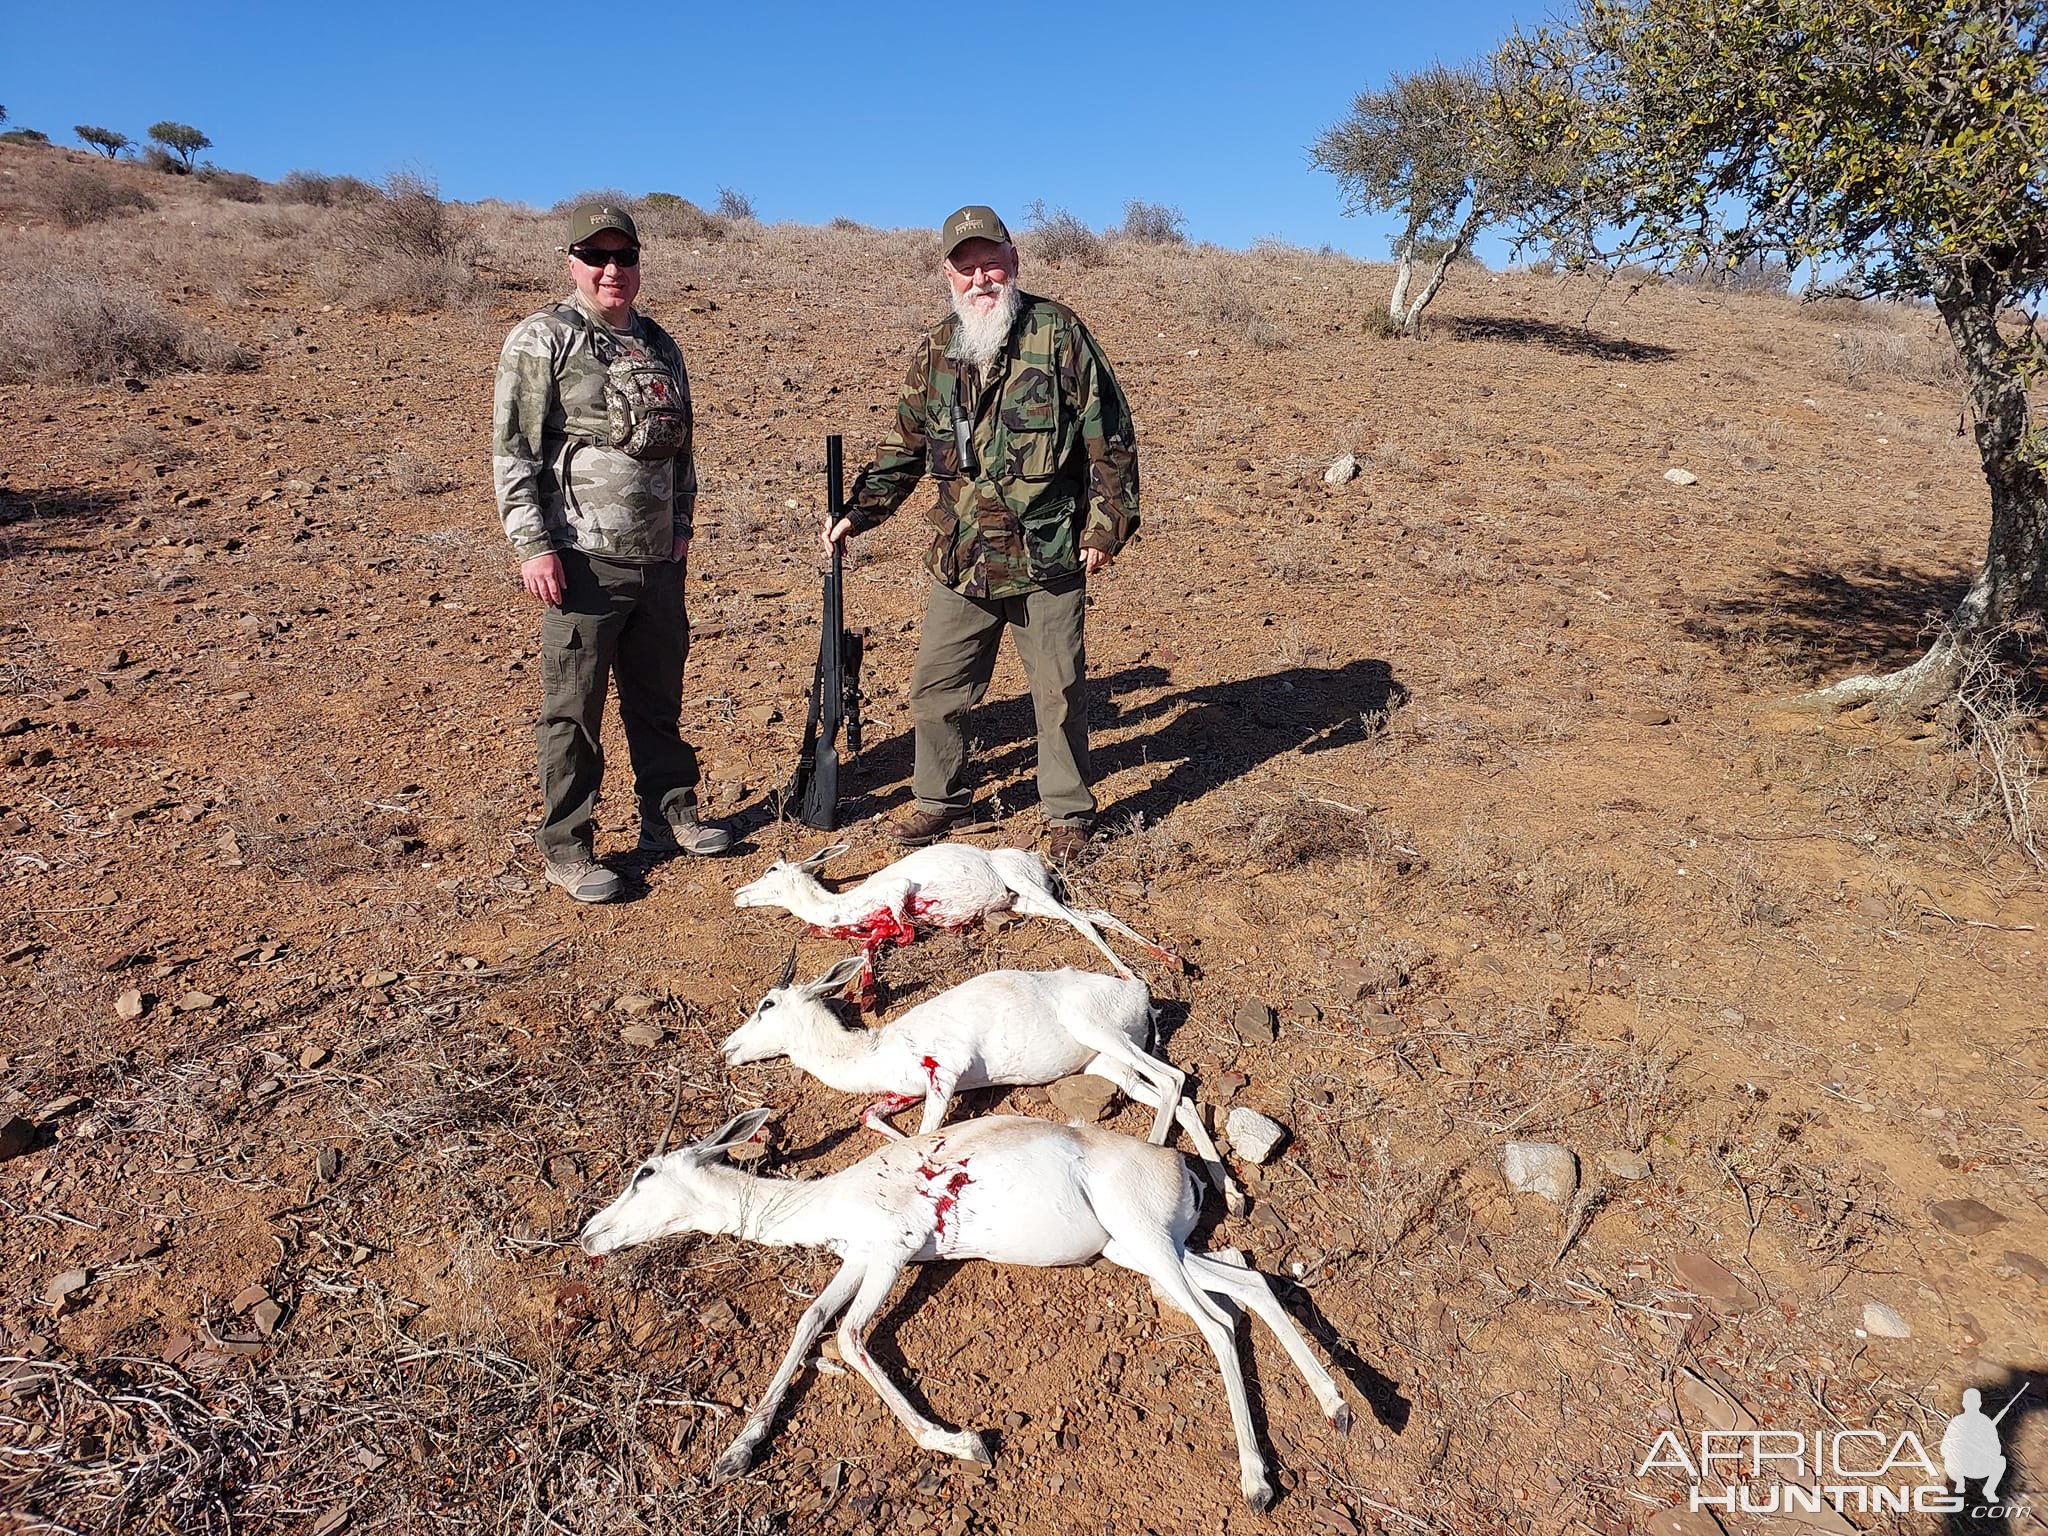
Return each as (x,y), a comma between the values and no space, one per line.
(1012,1190)
(948,885)
(995,1029)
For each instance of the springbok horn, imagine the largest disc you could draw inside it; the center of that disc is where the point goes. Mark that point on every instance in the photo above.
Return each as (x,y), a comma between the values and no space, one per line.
(788,970)
(675,1108)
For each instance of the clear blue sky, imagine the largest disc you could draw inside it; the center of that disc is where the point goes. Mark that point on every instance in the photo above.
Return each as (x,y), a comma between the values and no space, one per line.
(890,114)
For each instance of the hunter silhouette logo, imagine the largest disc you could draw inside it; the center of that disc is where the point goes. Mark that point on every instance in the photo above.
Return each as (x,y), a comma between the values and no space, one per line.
(1970,1448)
(1748,1469)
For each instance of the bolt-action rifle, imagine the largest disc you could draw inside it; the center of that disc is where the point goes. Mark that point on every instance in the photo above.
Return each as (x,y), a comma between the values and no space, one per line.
(835,689)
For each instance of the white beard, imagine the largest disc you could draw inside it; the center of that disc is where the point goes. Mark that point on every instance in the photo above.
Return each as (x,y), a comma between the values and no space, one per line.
(979,337)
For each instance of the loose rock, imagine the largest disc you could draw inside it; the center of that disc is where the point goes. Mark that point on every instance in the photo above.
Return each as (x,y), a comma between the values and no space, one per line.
(642,1034)
(1631,1166)
(196,1002)
(633,1004)
(1883,1322)
(1681,477)
(1342,470)
(1541,1168)
(1713,1281)
(131,1004)
(1255,1021)
(1082,1097)
(1965,1218)
(58,1292)
(1253,1135)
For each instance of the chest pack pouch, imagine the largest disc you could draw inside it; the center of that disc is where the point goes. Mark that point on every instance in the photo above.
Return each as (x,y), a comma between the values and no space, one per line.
(645,417)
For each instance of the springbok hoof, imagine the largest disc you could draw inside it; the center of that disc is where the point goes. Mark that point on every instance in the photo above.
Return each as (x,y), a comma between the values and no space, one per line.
(964,1446)
(1340,1421)
(737,1458)
(1259,1495)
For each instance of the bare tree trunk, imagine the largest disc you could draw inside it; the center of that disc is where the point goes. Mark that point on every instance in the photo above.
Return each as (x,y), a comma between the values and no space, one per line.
(1397,306)
(2012,583)
(1411,322)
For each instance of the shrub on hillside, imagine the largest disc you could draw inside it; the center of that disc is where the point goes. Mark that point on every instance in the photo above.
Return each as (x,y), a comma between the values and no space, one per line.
(318,191)
(234,186)
(1058,236)
(406,250)
(28,136)
(156,159)
(81,197)
(666,216)
(1154,223)
(72,326)
(735,205)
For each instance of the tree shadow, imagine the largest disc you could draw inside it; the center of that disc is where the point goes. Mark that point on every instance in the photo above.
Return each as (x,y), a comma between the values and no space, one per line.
(28,517)
(1825,619)
(1211,734)
(2015,1397)
(1575,340)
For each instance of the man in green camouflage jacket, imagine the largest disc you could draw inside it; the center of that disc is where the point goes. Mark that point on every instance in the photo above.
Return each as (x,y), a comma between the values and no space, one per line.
(1012,409)
(590,456)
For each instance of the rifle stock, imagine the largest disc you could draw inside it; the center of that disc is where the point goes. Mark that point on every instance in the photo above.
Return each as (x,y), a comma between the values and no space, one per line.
(835,687)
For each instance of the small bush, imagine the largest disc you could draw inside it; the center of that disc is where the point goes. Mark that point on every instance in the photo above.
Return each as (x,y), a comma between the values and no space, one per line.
(735,205)
(1154,223)
(319,191)
(408,250)
(1058,236)
(163,160)
(234,186)
(83,327)
(841,221)
(667,216)
(79,198)
(29,136)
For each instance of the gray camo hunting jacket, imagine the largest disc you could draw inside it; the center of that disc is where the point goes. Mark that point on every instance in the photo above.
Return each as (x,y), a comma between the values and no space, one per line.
(558,485)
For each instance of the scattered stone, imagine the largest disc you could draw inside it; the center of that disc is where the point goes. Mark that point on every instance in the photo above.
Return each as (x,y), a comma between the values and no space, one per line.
(374,979)
(1883,1322)
(327,1166)
(762,714)
(1965,1218)
(1256,1021)
(1681,477)
(131,1004)
(1713,1281)
(1083,1098)
(248,1299)
(1343,469)
(314,1056)
(1650,714)
(266,1315)
(1630,1166)
(333,1520)
(1253,1135)
(1350,980)
(1683,1522)
(2025,1263)
(718,1315)
(196,1002)
(1227,1085)
(58,1292)
(1541,1168)
(643,1035)
(633,1004)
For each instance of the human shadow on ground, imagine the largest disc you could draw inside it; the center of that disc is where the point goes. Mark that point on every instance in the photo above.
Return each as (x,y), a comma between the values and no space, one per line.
(2017,1395)
(1211,734)
(1573,339)
(28,518)
(1827,619)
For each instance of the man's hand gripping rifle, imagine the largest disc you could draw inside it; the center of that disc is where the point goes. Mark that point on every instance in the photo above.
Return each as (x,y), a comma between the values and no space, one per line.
(835,690)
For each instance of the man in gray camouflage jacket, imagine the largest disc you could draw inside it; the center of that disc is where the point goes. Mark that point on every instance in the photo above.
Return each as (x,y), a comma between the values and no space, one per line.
(590,455)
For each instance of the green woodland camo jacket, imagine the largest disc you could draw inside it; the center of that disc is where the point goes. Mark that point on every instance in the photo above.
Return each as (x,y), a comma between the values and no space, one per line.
(558,486)
(1053,439)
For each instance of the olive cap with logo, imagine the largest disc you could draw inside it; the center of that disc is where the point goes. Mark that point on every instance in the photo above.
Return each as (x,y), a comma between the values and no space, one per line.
(974,222)
(594,218)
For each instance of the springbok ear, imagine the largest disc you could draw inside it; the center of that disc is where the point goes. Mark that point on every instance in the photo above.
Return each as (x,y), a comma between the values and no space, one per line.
(736,1130)
(821,858)
(837,977)
(788,970)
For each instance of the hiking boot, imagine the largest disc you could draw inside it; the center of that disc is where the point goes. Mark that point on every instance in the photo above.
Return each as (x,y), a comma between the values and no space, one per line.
(919,828)
(1068,843)
(677,830)
(583,878)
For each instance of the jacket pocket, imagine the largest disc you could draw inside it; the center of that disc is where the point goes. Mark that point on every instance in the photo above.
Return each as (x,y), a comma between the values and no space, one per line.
(1032,430)
(1051,540)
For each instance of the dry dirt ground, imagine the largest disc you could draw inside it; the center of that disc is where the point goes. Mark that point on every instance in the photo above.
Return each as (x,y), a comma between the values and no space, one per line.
(1476,770)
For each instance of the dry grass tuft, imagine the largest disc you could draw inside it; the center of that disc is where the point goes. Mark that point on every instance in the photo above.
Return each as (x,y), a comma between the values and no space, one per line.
(407,250)
(1305,830)
(82,327)
(79,197)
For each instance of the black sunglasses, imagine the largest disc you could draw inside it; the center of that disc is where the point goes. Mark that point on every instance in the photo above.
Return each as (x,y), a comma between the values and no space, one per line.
(629,257)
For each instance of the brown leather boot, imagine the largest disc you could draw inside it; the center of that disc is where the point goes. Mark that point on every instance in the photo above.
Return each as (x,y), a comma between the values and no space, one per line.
(920,828)
(1067,843)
